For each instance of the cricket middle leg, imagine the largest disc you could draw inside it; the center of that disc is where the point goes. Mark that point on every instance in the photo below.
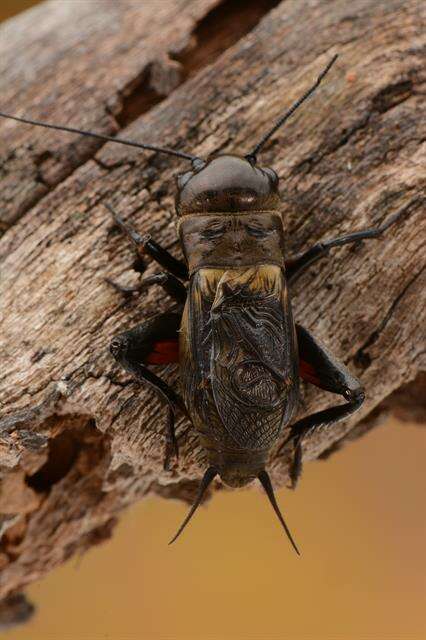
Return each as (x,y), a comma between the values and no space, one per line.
(296,265)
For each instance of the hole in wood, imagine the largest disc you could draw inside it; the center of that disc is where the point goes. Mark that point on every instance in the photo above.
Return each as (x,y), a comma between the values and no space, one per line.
(78,433)
(219,30)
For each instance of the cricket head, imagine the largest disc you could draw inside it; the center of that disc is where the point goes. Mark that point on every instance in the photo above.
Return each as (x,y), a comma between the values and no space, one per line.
(223,183)
(226,184)
(229,210)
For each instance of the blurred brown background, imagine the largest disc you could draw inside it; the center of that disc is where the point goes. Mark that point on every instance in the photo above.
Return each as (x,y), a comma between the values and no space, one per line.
(359,519)
(9,8)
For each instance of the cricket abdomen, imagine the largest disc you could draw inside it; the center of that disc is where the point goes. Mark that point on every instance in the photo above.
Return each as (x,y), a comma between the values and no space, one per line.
(238,360)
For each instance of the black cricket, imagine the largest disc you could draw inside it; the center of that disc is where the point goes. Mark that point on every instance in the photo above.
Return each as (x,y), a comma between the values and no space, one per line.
(240,352)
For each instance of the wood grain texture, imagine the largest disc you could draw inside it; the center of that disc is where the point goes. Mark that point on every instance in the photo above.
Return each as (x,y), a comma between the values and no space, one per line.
(78,439)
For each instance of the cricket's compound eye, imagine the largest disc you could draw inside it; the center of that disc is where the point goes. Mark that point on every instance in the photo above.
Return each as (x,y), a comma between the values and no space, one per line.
(272,175)
(183,178)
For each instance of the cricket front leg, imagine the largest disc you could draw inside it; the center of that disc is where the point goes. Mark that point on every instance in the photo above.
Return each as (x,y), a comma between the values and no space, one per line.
(153,342)
(144,244)
(167,281)
(319,367)
(296,265)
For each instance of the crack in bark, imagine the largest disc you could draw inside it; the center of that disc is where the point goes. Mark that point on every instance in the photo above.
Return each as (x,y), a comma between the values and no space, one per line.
(391,96)
(386,99)
(363,359)
(219,30)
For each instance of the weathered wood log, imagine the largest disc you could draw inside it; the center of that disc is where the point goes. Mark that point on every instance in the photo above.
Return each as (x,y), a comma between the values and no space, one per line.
(79,439)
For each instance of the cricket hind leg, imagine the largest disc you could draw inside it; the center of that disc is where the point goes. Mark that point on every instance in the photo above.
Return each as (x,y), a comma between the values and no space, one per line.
(153,342)
(144,244)
(319,367)
(298,264)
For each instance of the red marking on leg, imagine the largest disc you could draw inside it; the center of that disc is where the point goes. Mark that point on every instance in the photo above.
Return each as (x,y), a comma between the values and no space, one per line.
(164,352)
(308,373)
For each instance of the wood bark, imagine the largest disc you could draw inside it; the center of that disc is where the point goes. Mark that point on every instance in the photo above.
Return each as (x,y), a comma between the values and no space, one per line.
(79,439)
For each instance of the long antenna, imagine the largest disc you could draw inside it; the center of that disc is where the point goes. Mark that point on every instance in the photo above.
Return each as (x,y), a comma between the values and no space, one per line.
(207,478)
(251,157)
(99,136)
(266,484)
